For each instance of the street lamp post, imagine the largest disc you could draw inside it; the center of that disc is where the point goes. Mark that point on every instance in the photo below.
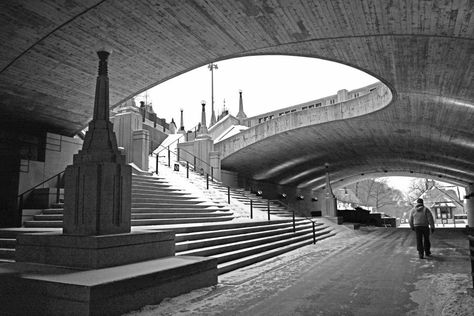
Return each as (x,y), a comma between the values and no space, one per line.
(211,67)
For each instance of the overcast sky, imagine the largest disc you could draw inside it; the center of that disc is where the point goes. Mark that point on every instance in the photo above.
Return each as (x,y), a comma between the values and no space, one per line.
(267,83)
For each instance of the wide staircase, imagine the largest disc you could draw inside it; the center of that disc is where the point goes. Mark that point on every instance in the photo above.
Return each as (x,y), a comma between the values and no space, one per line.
(202,227)
(154,202)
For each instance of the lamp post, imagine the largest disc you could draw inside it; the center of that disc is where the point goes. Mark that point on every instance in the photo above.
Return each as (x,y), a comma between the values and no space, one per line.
(211,67)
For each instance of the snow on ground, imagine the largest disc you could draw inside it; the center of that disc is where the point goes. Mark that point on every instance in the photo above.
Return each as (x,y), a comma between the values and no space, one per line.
(435,294)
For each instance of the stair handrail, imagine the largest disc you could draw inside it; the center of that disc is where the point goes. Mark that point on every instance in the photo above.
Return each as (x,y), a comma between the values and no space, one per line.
(21,195)
(165,147)
(294,224)
(195,158)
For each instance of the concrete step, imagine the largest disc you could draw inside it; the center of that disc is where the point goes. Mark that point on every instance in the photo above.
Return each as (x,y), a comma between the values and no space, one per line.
(7,243)
(232,247)
(136,210)
(147,190)
(198,205)
(239,237)
(239,228)
(164,199)
(7,253)
(46,224)
(178,215)
(248,260)
(154,185)
(53,211)
(174,221)
(48,217)
(259,248)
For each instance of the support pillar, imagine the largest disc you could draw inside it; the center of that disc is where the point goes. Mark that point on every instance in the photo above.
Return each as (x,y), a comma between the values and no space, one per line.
(469,205)
(125,123)
(141,148)
(330,201)
(215,162)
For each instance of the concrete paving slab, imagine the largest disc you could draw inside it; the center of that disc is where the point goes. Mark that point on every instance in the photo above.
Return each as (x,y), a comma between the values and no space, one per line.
(371,271)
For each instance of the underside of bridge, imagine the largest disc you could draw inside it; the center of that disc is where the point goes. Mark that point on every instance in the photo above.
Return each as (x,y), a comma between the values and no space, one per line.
(422,50)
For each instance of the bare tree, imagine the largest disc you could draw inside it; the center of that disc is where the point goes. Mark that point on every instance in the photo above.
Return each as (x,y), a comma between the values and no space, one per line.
(419,186)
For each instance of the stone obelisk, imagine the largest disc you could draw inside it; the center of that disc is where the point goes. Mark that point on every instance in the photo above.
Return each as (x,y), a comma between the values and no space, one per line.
(97,197)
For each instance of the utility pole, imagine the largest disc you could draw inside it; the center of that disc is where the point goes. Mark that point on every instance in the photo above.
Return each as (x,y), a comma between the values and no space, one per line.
(211,67)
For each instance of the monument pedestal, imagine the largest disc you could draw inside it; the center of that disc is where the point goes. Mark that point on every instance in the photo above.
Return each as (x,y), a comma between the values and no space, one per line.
(37,289)
(98,266)
(94,252)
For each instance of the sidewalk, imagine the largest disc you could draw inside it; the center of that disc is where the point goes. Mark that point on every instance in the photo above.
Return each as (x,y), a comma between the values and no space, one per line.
(371,271)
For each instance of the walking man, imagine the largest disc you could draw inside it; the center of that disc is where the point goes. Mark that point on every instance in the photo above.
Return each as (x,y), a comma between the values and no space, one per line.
(420,221)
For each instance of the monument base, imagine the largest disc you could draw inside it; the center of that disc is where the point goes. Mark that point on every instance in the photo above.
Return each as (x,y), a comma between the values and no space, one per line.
(36,289)
(93,252)
(335,219)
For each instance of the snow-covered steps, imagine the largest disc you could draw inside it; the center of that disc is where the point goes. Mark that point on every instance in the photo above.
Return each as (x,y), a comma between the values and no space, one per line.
(154,202)
(236,245)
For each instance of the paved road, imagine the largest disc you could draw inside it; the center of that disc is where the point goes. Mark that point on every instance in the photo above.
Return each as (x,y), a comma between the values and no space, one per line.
(372,271)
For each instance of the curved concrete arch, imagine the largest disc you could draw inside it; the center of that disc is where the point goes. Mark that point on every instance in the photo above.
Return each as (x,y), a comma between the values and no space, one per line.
(374,101)
(421,50)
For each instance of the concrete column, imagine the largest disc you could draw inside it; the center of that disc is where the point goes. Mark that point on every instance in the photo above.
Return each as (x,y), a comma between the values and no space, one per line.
(202,147)
(141,148)
(330,205)
(125,124)
(469,205)
(215,162)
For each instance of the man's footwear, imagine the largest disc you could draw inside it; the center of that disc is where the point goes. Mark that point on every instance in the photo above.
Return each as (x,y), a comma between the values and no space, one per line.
(428,254)
(421,255)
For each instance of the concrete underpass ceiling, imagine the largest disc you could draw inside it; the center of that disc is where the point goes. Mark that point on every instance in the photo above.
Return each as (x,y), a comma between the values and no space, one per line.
(423,50)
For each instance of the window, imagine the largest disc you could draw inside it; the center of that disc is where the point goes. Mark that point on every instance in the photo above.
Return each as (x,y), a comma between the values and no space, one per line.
(293,111)
(304,108)
(318,104)
(280,114)
(311,106)
(373,89)
(270,117)
(260,120)
(287,112)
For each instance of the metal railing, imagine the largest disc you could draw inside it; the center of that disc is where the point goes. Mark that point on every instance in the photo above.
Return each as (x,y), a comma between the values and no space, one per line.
(165,147)
(21,195)
(195,159)
(188,163)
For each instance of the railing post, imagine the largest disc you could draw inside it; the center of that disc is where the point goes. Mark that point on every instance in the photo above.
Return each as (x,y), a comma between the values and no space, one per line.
(58,190)
(294,225)
(20,211)
(177,149)
(187,169)
(251,209)
(314,234)
(207,181)
(268,209)
(169,157)
(228,195)
(195,167)
(212,174)
(157,164)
